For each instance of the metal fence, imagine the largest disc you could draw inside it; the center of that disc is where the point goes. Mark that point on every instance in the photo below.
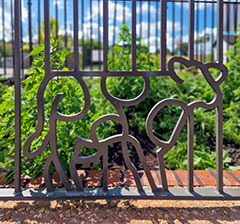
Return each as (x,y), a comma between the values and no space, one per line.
(148,28)
(76,189)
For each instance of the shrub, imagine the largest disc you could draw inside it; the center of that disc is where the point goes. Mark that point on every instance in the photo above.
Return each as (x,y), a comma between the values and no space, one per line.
(72,102)
(194,87)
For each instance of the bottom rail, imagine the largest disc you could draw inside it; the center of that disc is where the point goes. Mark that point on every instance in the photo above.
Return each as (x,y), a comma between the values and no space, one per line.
(122,193)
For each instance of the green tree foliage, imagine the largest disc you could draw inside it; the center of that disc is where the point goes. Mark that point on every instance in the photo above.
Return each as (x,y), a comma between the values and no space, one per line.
(8,49)
(231,95)
(120,59)
(182,49)
(72,102)
(54,29)
(195,87)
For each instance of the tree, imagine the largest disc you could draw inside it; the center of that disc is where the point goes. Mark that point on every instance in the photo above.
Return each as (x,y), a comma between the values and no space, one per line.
(182,49)
(54,29)
(119,58)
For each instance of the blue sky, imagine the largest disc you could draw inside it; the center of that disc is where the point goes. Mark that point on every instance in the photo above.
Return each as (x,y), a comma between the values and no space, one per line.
(203,28)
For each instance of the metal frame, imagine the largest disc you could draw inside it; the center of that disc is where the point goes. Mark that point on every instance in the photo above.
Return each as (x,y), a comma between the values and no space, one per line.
(77,190)
(200,53)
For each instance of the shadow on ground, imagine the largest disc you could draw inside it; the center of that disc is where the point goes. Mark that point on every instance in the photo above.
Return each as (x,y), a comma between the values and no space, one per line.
(120,212)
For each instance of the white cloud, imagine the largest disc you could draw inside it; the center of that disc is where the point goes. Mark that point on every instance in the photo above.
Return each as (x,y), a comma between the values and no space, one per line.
(111,5)
(7,19)
(87,31)
(111,33)
(207,46)
(199,6)
(153,40)
(144,27)
(152,9)
(68,31)
(60,3)
(177,26)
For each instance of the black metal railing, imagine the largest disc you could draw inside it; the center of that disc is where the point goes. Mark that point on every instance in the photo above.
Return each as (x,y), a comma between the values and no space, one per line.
(148,26)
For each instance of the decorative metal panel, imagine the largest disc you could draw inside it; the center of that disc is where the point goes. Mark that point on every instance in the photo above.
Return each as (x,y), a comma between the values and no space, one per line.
(186,117)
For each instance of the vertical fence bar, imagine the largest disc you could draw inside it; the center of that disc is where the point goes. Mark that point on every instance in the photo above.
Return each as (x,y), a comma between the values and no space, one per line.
(219,115)
(235,20)
(17,83)
(47,37)
(163,34)
(39,22)
(228,25)
(75,33)
(173,27)
(140,20)
(3,39)
(105,35)
(12,33)
(56,15)
(191,30)
(212,36)
(220,31)
(236,16)
(65,24)
(124,13)
(82,27)
(114,22)
(197,52)
(30,27)
(190,122)
(114,28)
(149,28)
(65,30)
(156,29)
(181,29)
(134,18)
(22,56)
(99,37)
(91,31)
(205,25)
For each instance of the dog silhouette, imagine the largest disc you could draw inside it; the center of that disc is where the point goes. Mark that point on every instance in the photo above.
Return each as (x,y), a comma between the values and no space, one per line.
(187,109)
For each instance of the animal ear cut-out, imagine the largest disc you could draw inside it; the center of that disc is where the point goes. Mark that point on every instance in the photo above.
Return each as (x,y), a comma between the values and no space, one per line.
(224,71)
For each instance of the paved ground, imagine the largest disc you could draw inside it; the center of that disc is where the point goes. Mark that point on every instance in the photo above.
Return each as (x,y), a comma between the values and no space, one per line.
(133,212)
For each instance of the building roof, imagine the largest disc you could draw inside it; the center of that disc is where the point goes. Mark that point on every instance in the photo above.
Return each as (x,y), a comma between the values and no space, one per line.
(230,39)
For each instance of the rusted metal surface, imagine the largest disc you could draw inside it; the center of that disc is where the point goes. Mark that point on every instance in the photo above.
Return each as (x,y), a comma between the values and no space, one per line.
(76,189)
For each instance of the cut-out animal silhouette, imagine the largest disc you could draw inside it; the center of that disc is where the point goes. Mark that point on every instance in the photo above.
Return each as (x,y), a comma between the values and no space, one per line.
(187,114)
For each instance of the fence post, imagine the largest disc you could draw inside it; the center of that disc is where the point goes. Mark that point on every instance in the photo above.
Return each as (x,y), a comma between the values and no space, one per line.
(30,27)
(17,81)
(3,41)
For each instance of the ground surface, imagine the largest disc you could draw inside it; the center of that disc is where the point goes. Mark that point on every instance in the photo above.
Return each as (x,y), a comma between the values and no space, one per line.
(121,212)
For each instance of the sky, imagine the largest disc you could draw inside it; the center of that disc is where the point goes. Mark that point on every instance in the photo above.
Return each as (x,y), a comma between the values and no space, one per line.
(205,26)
